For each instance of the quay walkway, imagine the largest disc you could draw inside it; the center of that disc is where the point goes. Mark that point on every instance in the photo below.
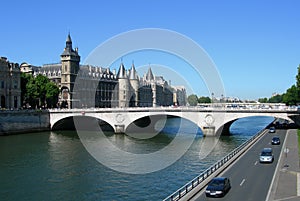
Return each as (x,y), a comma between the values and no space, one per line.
(286,181)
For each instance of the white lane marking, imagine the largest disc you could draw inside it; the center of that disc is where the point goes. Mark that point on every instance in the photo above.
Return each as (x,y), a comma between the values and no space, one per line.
(298,184)
(255,162)
(242,182)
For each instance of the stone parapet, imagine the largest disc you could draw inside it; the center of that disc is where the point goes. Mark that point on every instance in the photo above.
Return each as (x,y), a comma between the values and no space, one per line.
(23,121)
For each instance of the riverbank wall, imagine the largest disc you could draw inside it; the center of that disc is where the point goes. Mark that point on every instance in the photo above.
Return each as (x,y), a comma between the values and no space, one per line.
(23,121)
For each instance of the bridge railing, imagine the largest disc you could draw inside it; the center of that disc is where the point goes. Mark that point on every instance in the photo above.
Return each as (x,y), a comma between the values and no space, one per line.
(200,179)
(182,108)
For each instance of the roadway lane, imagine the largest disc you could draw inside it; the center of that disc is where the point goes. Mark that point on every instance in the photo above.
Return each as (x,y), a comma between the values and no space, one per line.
(251,180)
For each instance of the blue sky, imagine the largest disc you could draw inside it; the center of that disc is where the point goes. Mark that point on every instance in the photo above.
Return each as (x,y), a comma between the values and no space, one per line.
(254,44)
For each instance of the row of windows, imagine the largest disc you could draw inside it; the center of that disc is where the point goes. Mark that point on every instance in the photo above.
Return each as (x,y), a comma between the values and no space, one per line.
(15,84)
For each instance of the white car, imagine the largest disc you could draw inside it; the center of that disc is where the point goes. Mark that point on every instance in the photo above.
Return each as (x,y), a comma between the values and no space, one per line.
(266,156)
(272,130)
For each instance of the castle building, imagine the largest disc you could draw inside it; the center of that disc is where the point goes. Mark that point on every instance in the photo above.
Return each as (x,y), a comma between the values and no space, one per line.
(10,86)
(93,86)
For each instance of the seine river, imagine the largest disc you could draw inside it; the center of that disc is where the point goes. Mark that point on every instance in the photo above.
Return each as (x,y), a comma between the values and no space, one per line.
(56,165)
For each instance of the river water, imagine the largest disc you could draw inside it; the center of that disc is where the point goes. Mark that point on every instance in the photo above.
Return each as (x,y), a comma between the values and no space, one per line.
(56,165)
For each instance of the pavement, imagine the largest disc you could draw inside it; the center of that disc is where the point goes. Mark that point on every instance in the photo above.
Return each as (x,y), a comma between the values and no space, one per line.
(286,180)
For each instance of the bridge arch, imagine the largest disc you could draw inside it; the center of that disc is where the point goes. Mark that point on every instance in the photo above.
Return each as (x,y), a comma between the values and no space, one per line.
(83,121)
(150,123)
(231,118)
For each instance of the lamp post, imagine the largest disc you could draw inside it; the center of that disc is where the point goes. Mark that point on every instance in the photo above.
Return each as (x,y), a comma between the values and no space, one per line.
(222,100)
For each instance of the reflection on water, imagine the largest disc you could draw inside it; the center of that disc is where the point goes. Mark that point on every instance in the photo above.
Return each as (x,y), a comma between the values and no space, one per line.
(56,166)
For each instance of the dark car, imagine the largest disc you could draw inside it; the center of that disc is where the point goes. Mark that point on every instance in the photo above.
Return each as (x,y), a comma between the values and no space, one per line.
(218,187)
(275,140)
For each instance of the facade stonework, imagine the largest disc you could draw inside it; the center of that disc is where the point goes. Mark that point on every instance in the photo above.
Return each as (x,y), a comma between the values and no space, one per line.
(92,86)
(10,86)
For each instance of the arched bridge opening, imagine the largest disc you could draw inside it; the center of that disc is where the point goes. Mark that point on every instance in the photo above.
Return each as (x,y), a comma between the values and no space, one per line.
(85,123)
(225,129)
(165,123)
(267,121)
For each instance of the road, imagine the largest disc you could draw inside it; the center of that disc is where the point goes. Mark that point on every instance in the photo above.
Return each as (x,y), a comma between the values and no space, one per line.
(251,180)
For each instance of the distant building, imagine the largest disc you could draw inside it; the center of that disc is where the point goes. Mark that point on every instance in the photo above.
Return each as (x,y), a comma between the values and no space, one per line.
(10,87)
(101,87)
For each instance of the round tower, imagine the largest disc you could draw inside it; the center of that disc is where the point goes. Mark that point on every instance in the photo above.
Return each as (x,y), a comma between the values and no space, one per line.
(134,82)
(123,87)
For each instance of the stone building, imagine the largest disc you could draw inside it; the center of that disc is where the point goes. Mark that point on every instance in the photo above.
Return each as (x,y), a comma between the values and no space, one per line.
(10,86)
(92,86)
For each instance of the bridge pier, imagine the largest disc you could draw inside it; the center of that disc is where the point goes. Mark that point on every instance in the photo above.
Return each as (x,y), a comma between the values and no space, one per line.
(120,128)
(208,131)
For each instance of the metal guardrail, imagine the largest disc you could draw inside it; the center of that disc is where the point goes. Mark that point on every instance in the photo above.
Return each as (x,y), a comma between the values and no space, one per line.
(184,190)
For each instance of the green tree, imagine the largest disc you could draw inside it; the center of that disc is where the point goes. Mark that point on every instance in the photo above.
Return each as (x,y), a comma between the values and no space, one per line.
(275,99)
(263,100)
(298,84)
(203,99)
(192,100)
(41,82)
(52,92)
(24,80)
(32,93)
(291,96)
(40,91)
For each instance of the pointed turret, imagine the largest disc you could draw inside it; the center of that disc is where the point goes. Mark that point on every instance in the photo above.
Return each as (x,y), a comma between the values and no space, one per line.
(69,43)
(134,82)
(123,87)
(133,74)
(122,72)
(69,49)
(69,40)
(149,75)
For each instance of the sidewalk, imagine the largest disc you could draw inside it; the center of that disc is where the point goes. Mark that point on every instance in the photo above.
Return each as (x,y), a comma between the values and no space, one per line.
(286,181)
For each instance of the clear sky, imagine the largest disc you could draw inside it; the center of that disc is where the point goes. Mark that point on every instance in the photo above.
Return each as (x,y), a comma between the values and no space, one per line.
(255,44)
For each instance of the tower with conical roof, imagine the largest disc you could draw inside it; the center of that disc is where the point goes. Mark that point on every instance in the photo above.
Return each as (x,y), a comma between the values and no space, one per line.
(134,83)
(151,80)
(123,87)
(149,75)
(70,60)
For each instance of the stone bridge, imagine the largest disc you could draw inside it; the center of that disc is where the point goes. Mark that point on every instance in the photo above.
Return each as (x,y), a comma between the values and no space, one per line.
(211,120)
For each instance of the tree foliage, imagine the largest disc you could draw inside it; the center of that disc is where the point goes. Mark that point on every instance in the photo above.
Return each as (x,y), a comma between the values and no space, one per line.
(291,96)
(204,99)
(275,99)
(24,80)
(39,91)
(263,100)
(52,92)
(192,100)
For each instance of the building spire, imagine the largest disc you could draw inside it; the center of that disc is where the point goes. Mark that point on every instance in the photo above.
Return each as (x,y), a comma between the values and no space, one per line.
(69,42)
(68,50)
(149,75)
(122,72)
(69,38)
(133,74)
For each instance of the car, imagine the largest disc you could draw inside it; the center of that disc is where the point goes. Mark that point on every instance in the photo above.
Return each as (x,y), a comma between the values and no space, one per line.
(266,156)
(272,130)
(218,187)
(275,140)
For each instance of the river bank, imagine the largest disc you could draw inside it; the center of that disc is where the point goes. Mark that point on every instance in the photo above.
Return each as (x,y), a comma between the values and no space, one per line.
(23,121)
